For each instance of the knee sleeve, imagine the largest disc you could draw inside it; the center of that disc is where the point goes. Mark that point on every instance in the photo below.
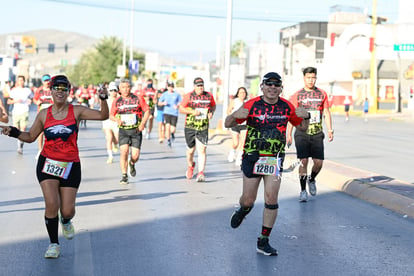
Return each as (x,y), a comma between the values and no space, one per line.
(272,206)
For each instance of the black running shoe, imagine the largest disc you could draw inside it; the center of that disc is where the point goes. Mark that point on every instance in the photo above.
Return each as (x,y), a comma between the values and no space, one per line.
(132,170)
(124,180)
(264,247)
(238,216)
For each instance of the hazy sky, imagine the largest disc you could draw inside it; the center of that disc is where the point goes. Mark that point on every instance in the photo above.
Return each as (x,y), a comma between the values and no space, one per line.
(172,26)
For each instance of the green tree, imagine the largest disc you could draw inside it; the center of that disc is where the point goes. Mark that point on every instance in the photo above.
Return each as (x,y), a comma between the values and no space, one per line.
(238,47)
(100,64)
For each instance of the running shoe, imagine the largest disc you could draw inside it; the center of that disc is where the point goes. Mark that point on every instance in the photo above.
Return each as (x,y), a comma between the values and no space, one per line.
(109,160)
(201,177)
(312,187)
(303,197)
(190,170)
(124,180)
(52,251)
(169,143)
(231,156)
(148,136)
(238,216)
(132,170)
(264,247)
(68,230)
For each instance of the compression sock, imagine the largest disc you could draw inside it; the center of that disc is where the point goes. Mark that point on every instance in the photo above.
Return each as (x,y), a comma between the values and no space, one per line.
(52,225)
(265,232)
(302,179)
(312,176)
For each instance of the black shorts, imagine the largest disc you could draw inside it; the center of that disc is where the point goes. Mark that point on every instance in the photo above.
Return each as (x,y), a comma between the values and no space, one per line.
(170,119)
(191,135)
(73,179)
(309,145)
(131,137)
(248,162)
(346,107)
(239,128)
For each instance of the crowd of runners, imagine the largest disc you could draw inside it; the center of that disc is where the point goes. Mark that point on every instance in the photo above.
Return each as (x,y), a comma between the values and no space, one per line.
(261,127)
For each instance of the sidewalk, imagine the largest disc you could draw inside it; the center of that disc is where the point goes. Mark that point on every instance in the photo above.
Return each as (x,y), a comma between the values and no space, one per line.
(385,191)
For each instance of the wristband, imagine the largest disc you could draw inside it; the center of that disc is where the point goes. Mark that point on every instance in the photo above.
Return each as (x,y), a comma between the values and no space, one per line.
(14,132)
(103,96)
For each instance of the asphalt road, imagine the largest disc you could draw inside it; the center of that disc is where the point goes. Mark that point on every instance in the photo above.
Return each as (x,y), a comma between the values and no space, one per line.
(164,224)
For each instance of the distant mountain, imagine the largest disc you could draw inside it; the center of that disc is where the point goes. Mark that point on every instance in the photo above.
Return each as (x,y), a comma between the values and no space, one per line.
(43,60)
(77,45)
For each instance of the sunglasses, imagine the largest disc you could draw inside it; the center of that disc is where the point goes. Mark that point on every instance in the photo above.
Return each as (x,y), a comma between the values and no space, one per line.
(113,90)
(273,83)
(60,88)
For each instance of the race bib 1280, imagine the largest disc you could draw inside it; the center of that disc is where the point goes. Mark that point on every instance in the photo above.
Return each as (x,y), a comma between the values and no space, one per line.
(57,168)
(129,119)
(267,166)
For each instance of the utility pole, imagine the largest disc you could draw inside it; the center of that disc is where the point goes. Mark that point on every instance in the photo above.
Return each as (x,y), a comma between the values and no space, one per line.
(373,67)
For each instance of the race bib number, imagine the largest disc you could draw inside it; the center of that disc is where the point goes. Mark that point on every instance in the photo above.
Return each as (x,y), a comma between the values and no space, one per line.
(129,119)
(57,168)
(267,166)
(315,117)
(203,113)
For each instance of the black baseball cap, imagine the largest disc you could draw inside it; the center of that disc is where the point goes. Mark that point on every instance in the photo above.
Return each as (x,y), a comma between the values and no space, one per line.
(60,80)
(198,81)
(272,75)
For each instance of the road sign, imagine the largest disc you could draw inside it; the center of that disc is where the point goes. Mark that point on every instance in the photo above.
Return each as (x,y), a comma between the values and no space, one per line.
(133,66)
(404,47)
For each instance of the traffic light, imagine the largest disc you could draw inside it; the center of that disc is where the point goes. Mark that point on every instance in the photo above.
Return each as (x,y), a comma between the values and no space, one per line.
(333,35)
(66,47)
(371,44)
(51,48)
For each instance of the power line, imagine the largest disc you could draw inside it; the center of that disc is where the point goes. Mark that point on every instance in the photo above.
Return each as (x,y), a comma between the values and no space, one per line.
(174,13)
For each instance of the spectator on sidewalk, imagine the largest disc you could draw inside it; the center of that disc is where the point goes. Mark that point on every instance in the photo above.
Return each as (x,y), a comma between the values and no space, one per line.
(366,108)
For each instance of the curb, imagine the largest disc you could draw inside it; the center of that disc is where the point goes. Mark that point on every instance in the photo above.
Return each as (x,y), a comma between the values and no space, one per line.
(358,183)
(354,182)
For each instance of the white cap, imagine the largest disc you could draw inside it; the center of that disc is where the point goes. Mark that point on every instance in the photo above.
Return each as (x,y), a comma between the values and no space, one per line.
(112,86)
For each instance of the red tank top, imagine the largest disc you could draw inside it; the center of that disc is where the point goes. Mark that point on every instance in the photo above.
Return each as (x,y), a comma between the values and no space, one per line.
(61,137)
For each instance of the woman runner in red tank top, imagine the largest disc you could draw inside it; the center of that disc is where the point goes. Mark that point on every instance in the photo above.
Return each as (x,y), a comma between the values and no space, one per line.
(58,167)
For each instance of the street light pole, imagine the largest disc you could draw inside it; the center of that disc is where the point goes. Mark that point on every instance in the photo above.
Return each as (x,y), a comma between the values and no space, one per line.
(131,31)
(226,86)
(373,67)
